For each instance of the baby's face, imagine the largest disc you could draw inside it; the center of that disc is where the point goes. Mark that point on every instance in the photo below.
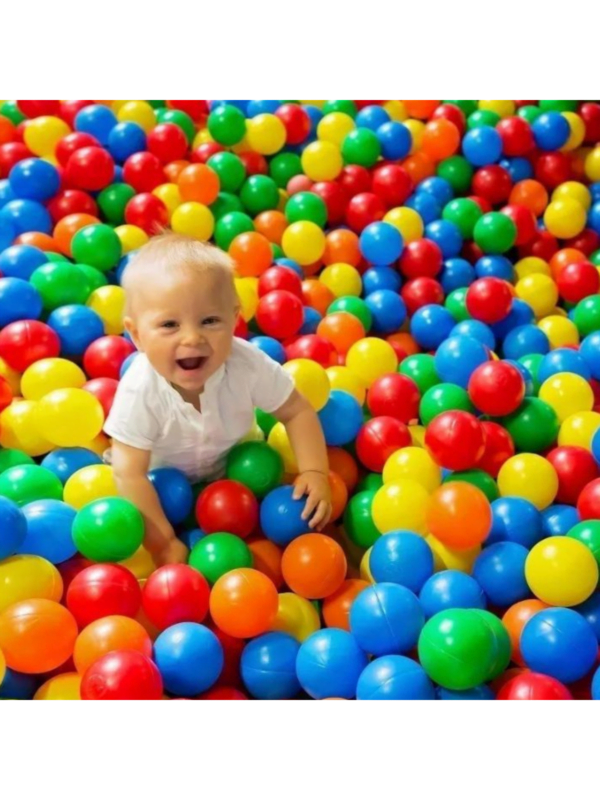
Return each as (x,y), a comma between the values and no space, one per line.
(184,323)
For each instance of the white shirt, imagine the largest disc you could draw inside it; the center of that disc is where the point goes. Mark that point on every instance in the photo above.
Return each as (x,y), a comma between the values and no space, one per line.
(149,414)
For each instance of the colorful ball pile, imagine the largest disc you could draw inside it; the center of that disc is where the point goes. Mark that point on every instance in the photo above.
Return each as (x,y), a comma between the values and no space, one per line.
(428,272)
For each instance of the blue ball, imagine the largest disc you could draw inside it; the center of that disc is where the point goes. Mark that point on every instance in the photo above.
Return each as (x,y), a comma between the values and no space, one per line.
(127,363)
(520,314)
(190,538)
(494,266)
(316,115)
(481,692)
(6,193)
(13,528)
(589,351)
(395,140)
(290,264)
(8,228)
(174,492)
(563,360)
(431,325)
(590,611)
(34,179)
(281,516)
(386,618)
(372,117)
(519,169)
(482,146)
(24,216)
(341,418)
(271,347)
(446,235)
(559,642)
(558,520)
(457,274)
(394,678)
(189,657)
(500,571)
(515,519)
(256,107)
(125,139)
(457,358)
(311,320)
(97,120)
(21,261)
(438,188)
(381,243)
(268,667)
(18,300)
(329,664)
(595,191)
(377,278)
(49,530)
(475,329)
(593,220)
(550,131)
(596,447)
(77,327)
(401,557)
(426,206)
(122,266)
(18,686)
(387,310)
(450,589)
(595,685)
(525,340)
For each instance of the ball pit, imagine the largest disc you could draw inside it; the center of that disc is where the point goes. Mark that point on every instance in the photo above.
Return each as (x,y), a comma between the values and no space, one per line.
(427,274)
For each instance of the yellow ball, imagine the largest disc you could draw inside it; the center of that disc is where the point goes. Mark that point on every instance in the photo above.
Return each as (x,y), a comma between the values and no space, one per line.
(400,504)
(370,358)
(18,430)
(131,237)
(447,558)
(265,134)
(303,242)
(138,111)
(417,435)
(42,134)
(561,571)
(88,484)
(529,476)
(202,137)
(413,463)
(504,108)
(342,279)
(396,110)
(365,567)
(170,195)
(11,376)
(140,564)
(310,379)
(283,198)
(28,578)
(279,441)
(573,190)
(66,686)
(539,292)
(416,129)
(247,292)
(567,394)
(193,219)
(322,161)
(344,379)
(565,218)
(69,417)
(532,265)
(48,374)
(408,221)
(592,164)
(578,430)
(98,444)
(296,616)
(560,331)
(109,303)
(577,135)
(335,127)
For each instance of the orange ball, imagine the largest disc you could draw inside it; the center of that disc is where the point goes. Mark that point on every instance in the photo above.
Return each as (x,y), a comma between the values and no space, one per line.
(252,254)
(341,247)
(514,621)
(342,330)
(174,169)
(339,495)
(37,635)
(419,166)
(336,608)
(314,566)
(562,258)
(420,109)
(312,269)
(342,463)
(66,228)
(271,224)
(459,515)
(40,240)
(405,341)
(441,139)
(198,183)
(316,295)
(7,131)
(267,559)
(244,603)
(106,634)
(531,194)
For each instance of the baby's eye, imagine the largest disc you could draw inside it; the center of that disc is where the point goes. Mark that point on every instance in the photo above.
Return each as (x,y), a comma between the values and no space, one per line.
(211,320)
(169,324)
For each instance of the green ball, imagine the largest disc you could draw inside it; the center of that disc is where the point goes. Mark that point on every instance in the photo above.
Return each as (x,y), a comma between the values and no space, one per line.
(356,307)
(259,193)
(464,213)
(226,203)
(27,482)
(10,110)
(529,113)
(456,303)
(502,647)
(218,553)
(156,104)
(457,171)
(466,106)
(588,533)
(61,284)
(483,119)
(358,519)
(343,106)
(227,125)
(421,368)
(476,477)
(266,422)
(495,232)
(230,170)
(277,251)
(231,225)
(284,167)
(533,426)
(256,465)
(97,245)
(177,117)
(457,649)
(306,206)
(371,482)
(594,258)
(95,278)
(110,529)
(13,458)
(558,105)
(361,146)
(443,397)
(112,202)
(532,363)
(586,315)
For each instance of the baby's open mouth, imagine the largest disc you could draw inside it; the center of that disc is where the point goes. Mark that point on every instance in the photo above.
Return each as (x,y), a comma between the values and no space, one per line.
(190,364)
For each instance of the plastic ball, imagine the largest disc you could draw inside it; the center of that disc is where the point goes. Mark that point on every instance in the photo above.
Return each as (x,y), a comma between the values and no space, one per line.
(496,388)
(36,635)
(401,503)
(296,616)
(24,577)
(268,667)
(515,520)
(534,686)
(378,439)
(218,553)
(175,593)
(341,418)
(371,358)
(329,664)
(446,431)
(394,677)
(311,380)
(49,530)
(109,529)
(103,590)
(561,571)
(401,557)
(243,603)
(560,643)
(313,566)
(13,528)
(122,675)
(227,506)
(529,476)
(450,589)
(459,515)
(386,619)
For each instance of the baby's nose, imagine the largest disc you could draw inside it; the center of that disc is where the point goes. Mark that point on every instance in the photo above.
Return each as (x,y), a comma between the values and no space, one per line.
(193,337)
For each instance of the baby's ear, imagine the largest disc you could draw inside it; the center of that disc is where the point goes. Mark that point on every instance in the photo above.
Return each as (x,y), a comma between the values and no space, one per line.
(131,328)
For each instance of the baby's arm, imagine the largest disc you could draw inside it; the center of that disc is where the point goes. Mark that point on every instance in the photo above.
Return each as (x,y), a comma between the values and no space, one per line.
(308,443)
(130,467)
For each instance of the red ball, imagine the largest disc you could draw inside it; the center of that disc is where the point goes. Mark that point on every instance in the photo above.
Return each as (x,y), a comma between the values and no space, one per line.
(70,569)
(299,183)
(24,342)
(227,506)
(489,300)
(223,693)
(279,278)
(148,212)
(420,292)
(104,357)
(122,675)
(421,258)
(167,142)
(483,204)
(175,593)
(39,108)
(498,448)
(517,136)
(90,168)
(102,590)
(363,209)
(590,114)
(496,388)
(10,154)
(455,440)
(355,179)
(280,314)
(104,390)
(314,347)
(392,184)
(204,151)
(6,395)
(73,142)
(394,395)
(588,503)
(534,686)
(335,198)
(544,245)
(453,114)
(578,280)
(575,467)
(143,171)
(552,169)
(493,183)
(296,122)
(471,252)
(71,201)
(196,109)
(587,242)
(524,221)
(70,108)
(378,439)
(254,163)
(241,328)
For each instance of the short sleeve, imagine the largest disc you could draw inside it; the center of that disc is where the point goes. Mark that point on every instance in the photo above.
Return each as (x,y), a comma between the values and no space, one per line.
(133,418)
(272,385)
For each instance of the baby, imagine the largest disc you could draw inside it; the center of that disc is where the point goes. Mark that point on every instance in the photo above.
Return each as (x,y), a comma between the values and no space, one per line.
(190,394)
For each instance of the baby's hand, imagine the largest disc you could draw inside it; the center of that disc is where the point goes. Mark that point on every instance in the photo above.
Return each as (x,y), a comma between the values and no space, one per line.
(175,552)
(316,486)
